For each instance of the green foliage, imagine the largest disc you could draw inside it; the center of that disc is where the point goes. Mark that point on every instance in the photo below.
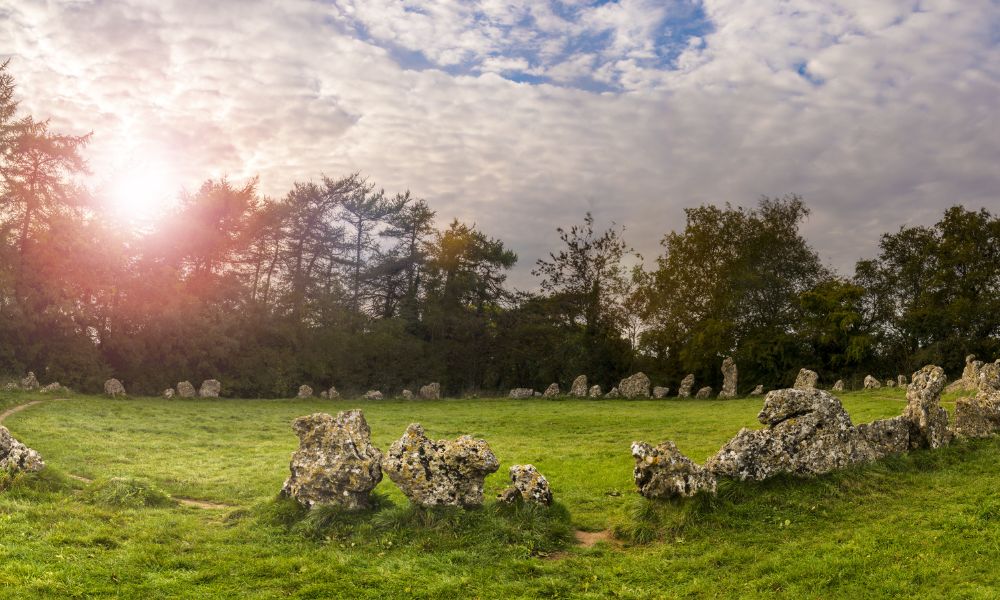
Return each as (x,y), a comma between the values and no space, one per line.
(127,492)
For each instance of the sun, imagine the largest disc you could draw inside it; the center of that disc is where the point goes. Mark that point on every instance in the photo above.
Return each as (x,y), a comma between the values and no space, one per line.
(142,190)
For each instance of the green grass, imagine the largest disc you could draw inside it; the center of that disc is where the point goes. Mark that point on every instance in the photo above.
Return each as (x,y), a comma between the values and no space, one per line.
(924,525)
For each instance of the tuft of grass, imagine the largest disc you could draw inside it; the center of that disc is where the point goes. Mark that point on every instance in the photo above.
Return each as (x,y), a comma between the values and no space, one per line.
(128,492)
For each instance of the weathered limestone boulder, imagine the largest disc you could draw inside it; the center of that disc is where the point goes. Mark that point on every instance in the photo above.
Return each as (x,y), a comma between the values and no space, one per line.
(928,419)
(901,380)
(168,393)
(979,416)
(552,391)
(635,386)
(52,388)
(871,383)
(838,386)
(30,382)
(806,380)
(114,388)
(703,393)
(686,384)
(431,391)
(336,463)
(579,387)
(521,393)
(613,393)
(757,391)
(15,456)
(660,391)
(729,375)
(595,391)
(373,395)
(527,485)
(332,393)
(969,381)
(305,391)
(438,473)
(210,388)
(889,383)
(663,472)
(185,389)
(407,395)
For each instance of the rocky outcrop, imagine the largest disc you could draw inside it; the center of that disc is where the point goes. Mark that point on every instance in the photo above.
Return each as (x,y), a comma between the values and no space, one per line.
(332,393)
(336,463)
(15,456)
(431,391)
(757,391)
(729,376)
(114,388)
(521,393)
(579,387)
(30,382)
(636,386)
(185,389)
(663,472)
(373,395)
(871,383)
(703,393)
(928,419)
(168,393)
(806,380)
(210,388)
(979,416)
(969,382)
(838,386)
(890,383)
(527,485)
(552,391)
(439,473)
(305,391)
(686,384)
(595,391)
(660,391)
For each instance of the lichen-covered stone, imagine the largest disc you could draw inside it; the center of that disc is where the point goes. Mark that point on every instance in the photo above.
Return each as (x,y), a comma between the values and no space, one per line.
(439,473)
(336,463)
(552,391)
(30,382)
(521,393)
(612,393)
(871,383)
(595,391)
(664,472)
(838,386)
(210,388)
(431,391)
(168,393)
(729,377)
(686,384)
(373,395)
(758,390)
(527,485)
(979,416)
(407,395)
(185,389)
(305,391)
(806,380)
(635,386)
(928,419)
(660,391)
(15,456)
(703,393)
(114,388)
(579,387)
(889,383)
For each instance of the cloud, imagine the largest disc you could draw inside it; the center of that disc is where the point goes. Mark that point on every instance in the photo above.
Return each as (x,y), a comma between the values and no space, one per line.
(521,115)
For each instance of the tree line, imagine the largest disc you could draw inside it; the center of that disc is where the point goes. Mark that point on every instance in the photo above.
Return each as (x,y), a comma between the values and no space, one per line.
(340,283)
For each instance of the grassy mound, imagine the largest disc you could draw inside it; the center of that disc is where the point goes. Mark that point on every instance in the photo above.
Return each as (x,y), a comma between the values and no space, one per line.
(127,492)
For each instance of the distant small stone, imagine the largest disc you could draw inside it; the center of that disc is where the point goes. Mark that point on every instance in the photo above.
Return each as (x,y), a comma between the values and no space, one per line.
(806,380)
(595,391)
(579,387)
(15,456)
(210,388)
(703,393)
(552,391)
(114,388)
(431,391)
(686,384)
(757,391)
(30,382)
(871,383)
(304,392)
(636,386)
(613,393)
(373,395)
(660,391)
(901,380)
(538,394)
(407,395)
(838,386)
(528,485)
(324,395)
(185,389)
(168,393)
(521,393)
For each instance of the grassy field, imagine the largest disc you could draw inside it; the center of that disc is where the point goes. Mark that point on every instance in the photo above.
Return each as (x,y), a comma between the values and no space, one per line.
(923,525)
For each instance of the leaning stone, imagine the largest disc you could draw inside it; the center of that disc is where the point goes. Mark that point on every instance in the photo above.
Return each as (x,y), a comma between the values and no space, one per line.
(304,392)
(30,382)
(838,386)
(901,380)
(806,380)
(928,419)
(703,393)
(185,389)
(15,456)
(552,391)
(114,388)
(757,391)
(871,383)
(636,386)
(660,391)
(10,386)
(528,485)
(663,472)
(686,384)
(373,395)
(210,388)
(886,437)
(595,391)
(168,393)
(521,393)
(579,387)
(431,391)
(336,463)
(439,473)
(407,395)
(729,374)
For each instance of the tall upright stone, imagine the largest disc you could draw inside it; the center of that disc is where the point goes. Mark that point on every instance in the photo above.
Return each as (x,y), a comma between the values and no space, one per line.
(871,383)
(686,384)
(838,386)
(927,418)
(729,375)
(579,387)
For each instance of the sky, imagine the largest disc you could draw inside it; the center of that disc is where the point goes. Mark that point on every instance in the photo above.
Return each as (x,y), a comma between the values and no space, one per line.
(522,115)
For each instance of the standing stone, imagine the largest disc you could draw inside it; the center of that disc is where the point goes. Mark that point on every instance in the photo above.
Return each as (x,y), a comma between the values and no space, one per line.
(612,394)
(703,393)
(552,391)
(521,393)
(210,388)
(871,383)
(304,392)
(431,391)
(838,386)
(595,391)
(806,380)
(636,386)
(928,419)
(579,387)
(728,378)
(373,395)
(30,382)
(332,394)
(441,473)
(114,388)
(407,395)
(185,389)
(901,380)
(980,416)
(15,456)
(758,391)
(528,485)
(663,472)
(336,463)
(970,376)
(660,391)
(686,384)
(537,394)
(168,393)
